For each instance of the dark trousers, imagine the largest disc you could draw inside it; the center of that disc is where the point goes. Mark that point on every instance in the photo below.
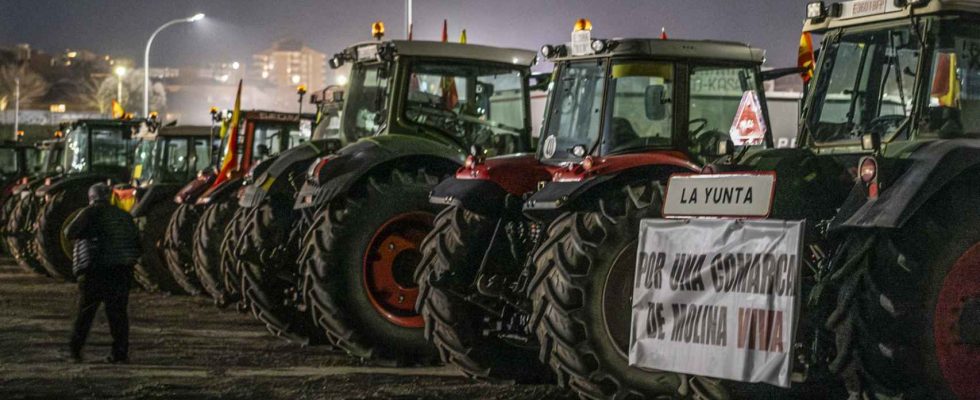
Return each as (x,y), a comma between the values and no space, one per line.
(110,286)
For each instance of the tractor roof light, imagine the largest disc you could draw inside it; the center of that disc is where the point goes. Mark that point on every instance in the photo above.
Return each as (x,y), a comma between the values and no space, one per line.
(816,10)
(583,24)
(378,30)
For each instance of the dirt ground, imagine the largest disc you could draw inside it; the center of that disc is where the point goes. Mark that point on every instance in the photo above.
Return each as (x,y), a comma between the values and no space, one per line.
(186,348)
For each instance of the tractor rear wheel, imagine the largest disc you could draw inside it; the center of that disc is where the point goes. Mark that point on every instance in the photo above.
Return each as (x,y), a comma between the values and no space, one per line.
(267,259)
(581,293)
(907,321)
(451,254)
(151,272)
(54,249)
(230,272)
(20,234)
(359,259)
(177,248)
(207,250)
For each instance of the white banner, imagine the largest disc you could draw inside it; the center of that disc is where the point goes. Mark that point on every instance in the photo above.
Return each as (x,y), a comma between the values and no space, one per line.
(717,298)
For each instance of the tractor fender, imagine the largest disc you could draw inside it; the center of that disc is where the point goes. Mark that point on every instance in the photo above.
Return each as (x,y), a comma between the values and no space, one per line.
(224,190)
(930,169)
(157,193)
(296,157)
(76,182)
(332,175)
(484,187)
(571,185)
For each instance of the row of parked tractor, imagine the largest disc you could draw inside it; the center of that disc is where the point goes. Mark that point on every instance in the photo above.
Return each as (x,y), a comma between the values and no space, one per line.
(417,218)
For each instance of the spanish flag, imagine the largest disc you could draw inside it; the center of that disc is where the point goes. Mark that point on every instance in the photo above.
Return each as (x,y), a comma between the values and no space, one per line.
(117,110)
(805,59)
(230,160)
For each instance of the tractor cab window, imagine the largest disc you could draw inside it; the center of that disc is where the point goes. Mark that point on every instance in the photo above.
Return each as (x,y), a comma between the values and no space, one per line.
(162,160)
(575,110)
(50,159)
(365,106)
(865,85)
(35,160)
(953,108)
(200,157)
(270,138)
(640,112)
(716,94)
(328,127)
(8,161)
(476,104)
(97,147)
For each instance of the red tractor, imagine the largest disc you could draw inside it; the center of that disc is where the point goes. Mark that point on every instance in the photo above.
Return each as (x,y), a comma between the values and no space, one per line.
(623,116)
(207,203)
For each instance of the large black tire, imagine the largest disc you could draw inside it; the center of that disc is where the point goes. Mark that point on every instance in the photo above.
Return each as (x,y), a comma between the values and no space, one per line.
(207,251)
(177,247)
(341,245)
(54,250)
(584,272)
(152,272)
(9,204)
(268,252)
(230,272)
(451,253)
(20,231)
(907,318)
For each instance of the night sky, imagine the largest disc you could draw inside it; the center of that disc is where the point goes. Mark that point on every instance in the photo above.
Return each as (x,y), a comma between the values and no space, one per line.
(235,29)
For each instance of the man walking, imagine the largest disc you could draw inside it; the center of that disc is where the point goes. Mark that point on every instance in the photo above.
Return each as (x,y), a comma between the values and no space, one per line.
(106,248)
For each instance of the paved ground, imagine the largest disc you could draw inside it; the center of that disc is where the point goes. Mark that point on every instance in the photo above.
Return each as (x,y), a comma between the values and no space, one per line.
(186,348)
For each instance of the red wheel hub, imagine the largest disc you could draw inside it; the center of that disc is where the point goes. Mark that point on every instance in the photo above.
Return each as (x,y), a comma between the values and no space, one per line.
(957,326)
(389,267)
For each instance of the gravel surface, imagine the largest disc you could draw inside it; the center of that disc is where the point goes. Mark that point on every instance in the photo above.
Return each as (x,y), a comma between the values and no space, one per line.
(186,348)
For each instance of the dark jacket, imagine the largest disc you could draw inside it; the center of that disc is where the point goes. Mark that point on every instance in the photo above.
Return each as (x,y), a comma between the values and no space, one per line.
(105,236)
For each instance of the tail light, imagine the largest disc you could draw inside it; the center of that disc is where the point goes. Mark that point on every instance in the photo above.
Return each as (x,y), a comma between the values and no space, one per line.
(868,173)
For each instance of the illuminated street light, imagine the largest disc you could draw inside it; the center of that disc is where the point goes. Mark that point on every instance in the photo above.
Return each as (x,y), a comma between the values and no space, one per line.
(235,65)
(341,80)
(120,72)
(146,58)
(296,79)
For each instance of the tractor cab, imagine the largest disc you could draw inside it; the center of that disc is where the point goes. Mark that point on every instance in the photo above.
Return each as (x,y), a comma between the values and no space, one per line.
(627,105)
(96,148)
(166,158)
(258,136)
(456,96)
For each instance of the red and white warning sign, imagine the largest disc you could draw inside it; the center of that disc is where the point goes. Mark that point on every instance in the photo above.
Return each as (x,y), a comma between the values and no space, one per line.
(749,128)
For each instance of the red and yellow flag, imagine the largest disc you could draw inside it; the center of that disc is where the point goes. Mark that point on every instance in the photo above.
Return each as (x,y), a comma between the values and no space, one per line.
(230,160)
(117,110)
(445,30)
(805,58)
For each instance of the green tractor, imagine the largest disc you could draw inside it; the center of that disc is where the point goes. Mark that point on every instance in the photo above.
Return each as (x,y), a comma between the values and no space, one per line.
(19,162)
(877,207)
(263,135)
(20,209)
(624,114)
(266,233)
(166,159)
(426,105)
(94,151)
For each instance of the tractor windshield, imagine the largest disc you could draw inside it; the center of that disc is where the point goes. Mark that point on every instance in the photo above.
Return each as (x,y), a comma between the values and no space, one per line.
(91,147)
(365,106)
(169,159)
(50,159)
(954,84)
(475,104)
(575,110)
(274,137)
(866,85)
(8,161)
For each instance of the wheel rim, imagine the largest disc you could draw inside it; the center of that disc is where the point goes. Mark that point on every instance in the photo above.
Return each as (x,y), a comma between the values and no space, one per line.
(957,325)
(68,246)
(617,299)
(389,265)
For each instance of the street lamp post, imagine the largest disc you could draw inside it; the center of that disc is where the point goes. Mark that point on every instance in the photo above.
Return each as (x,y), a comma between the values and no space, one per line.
(146,59)
(16,107)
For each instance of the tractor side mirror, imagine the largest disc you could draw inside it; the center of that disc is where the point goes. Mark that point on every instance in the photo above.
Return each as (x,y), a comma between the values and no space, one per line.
(655,103)
(724,148)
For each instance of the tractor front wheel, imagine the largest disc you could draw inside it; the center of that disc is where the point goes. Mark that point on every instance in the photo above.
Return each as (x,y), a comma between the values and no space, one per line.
(177,248)
(54,249)
(151,272)
(207,250)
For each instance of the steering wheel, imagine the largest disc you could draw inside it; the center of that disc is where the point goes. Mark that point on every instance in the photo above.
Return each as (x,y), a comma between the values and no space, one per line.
(882,123)
(696,132)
